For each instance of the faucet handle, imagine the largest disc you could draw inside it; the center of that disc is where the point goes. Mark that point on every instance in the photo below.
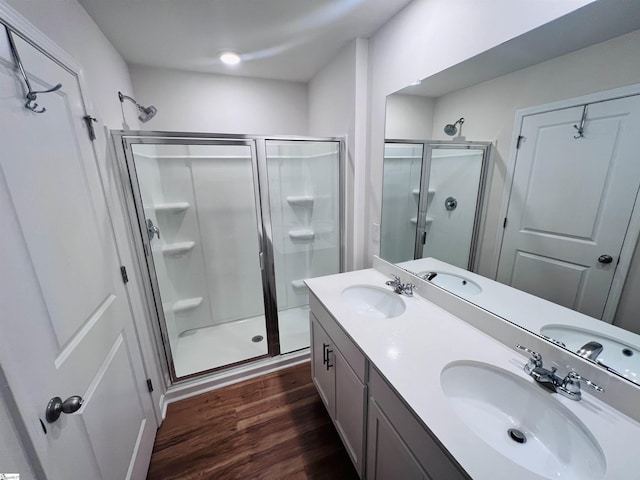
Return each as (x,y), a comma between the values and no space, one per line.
(407,288)
(535,361)
(395,281)
(573,378)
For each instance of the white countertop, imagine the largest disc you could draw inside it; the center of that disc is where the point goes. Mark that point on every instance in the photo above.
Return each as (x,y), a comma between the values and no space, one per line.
(411,350)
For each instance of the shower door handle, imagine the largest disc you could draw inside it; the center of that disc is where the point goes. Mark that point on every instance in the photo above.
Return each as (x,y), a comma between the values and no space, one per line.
(152,229)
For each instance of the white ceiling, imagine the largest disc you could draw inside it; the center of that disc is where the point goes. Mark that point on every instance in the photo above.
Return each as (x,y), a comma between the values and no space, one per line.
(278,39)
(594,23)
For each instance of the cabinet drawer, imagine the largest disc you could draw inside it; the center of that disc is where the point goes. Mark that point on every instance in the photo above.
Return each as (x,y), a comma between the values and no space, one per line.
(348,349)
(422,444)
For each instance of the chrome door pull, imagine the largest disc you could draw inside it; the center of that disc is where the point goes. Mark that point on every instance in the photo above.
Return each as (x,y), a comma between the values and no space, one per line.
(56,407)
(152,229)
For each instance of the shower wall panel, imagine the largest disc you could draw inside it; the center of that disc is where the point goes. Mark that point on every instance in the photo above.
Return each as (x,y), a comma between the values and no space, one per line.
(454,173)
(148,172)
(185,269)
(304,202)
(226,207)
(401,186)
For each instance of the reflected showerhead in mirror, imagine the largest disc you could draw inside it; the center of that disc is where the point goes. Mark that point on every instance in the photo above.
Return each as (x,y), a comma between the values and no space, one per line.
(146,113)
(451,129)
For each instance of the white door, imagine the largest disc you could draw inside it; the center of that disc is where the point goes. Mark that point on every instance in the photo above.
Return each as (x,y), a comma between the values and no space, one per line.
(571,203)
(66,326)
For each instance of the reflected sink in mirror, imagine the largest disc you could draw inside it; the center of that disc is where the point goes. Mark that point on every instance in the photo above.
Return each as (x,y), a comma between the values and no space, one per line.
(373,301)
(624,359)
(455,284)
(523,422)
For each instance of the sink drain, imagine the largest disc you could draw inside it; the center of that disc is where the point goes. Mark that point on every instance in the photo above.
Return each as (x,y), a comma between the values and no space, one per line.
(517,436)
(257,338)
(627,352)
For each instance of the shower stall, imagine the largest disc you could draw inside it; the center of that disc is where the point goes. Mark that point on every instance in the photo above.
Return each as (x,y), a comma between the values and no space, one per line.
(229,227)
(432,200)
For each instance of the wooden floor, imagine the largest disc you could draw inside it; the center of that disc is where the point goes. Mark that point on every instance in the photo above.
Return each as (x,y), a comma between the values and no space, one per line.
(271,427)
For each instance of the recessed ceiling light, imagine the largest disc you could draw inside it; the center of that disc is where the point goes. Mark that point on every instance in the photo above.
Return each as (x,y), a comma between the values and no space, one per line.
(230,58)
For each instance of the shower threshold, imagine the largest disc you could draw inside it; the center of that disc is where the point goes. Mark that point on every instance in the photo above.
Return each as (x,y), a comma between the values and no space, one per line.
(211,347)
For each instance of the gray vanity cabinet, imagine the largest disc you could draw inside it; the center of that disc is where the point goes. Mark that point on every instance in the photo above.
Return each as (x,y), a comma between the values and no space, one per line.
(338,370)
(388,457)
(396,443)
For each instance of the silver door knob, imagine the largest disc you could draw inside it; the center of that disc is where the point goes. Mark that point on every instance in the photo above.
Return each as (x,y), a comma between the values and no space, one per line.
(605,259)
(56,407)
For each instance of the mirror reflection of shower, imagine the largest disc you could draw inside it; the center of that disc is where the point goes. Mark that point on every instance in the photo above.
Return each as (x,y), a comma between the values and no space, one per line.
(145,113)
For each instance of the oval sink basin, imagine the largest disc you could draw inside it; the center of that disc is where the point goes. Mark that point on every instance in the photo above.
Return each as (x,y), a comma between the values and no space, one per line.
(373,301)
(621,357)
(454,283)
(522,421)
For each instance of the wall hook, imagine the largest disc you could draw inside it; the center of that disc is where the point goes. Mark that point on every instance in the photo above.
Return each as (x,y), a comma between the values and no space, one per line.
(32,95)
(580,128)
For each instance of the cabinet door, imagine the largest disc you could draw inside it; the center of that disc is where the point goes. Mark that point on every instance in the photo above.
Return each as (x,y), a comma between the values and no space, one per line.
(321,355)
(388,458)
(350,395)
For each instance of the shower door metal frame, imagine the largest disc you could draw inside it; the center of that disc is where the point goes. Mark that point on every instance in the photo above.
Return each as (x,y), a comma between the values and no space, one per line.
(122,142)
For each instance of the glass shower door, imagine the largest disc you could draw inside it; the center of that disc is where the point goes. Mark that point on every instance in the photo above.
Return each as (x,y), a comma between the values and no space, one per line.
(452,205)
(304,200)
(197,206)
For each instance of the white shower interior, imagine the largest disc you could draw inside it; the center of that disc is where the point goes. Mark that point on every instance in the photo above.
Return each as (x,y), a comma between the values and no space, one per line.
(452,173)
(207,264)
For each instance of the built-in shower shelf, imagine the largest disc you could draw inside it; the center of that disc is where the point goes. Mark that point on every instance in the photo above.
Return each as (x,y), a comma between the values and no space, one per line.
(298,284)
(302,234)
(174,249)
(427,220)
(186,304)
(173,207)
(302,200)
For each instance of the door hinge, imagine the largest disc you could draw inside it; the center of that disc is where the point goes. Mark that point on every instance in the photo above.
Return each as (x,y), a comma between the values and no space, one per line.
(520,137)
(88,119)
(149,385)
(123,272)
(504,224)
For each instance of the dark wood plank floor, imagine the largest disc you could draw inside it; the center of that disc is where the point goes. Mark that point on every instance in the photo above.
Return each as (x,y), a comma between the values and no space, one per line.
(271,427)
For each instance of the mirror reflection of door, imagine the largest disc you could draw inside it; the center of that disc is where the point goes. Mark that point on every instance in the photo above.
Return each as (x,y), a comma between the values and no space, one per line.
(432,200)
(571,203)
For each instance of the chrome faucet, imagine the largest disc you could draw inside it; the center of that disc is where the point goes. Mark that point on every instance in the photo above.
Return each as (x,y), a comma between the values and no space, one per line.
(590,350)
(401,288)
(569,386)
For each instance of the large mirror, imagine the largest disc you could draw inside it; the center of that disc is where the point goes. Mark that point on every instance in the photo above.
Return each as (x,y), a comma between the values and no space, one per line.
(561,218)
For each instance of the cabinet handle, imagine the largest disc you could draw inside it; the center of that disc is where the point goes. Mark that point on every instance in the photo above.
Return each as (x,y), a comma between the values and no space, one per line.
(325,355)
(328,364)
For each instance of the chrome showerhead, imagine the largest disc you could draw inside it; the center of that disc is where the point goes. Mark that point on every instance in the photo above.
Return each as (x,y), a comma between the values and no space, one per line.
(451,129)
(146,113)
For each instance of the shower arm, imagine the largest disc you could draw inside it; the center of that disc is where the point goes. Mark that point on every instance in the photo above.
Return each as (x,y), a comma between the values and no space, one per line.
(122,98)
